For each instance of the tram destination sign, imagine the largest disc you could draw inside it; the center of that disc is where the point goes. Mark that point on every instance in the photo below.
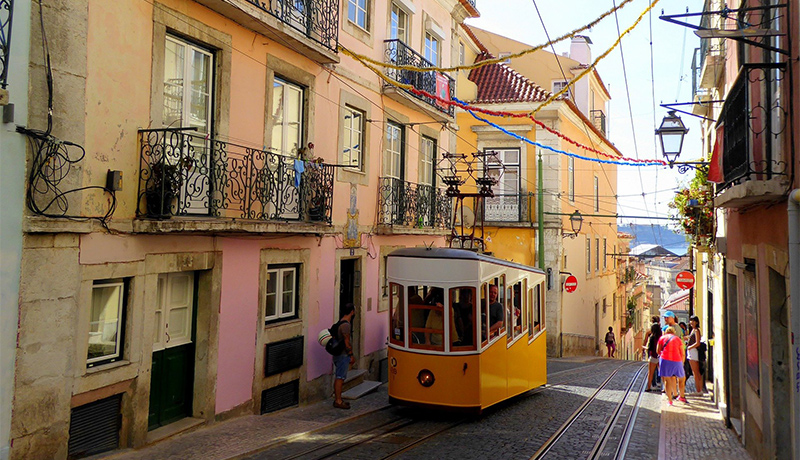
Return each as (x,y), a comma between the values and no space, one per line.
(571,283)
(684,280)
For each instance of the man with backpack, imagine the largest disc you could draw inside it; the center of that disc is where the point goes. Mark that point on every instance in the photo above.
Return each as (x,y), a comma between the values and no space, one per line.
(344,359)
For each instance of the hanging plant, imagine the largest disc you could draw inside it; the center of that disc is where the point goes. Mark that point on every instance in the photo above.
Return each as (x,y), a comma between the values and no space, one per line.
(694,207)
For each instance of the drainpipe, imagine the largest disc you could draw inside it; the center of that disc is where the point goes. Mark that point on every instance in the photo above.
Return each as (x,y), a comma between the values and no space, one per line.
(793,210)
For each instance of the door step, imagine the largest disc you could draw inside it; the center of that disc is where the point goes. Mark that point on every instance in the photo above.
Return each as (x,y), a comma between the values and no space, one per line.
(354,378)
(363,388)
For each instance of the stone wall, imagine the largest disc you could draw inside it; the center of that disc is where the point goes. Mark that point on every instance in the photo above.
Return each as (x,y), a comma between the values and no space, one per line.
(578,345)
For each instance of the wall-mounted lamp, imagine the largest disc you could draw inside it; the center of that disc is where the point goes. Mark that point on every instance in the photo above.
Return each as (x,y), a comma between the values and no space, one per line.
(576,222)
(670,135)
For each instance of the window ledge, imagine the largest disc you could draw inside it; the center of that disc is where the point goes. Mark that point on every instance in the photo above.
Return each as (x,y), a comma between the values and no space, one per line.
(277,323)
(107,367)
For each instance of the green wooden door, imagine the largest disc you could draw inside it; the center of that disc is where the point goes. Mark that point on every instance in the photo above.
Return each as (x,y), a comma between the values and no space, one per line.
(172,374)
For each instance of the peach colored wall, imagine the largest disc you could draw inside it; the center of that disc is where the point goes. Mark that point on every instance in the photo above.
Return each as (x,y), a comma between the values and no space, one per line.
(101,248)
(237,322)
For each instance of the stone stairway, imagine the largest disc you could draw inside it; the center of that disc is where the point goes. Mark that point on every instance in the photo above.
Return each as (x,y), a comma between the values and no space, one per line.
(355,385)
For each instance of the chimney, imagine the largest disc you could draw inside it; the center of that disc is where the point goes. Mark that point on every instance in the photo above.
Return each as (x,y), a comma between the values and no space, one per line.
(579,49)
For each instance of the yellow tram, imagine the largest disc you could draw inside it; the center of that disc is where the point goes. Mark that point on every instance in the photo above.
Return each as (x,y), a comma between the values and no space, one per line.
(445,348)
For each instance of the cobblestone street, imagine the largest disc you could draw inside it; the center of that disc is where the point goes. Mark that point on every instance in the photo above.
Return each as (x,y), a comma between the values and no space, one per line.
(513,430)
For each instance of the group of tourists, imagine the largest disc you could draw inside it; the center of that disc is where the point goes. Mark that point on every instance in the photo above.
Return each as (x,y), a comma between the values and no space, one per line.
(675,350)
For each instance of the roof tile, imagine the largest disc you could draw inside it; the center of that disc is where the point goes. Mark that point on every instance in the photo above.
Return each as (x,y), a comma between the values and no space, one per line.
(500,83)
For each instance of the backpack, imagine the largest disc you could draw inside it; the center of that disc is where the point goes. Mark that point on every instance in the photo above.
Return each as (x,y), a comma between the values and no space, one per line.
(701,352)
(333,346)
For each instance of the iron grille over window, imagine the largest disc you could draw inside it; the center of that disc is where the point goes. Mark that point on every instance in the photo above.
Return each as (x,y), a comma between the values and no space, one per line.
(6,16)
(316,19)
(283,356)
(735,117)
(184,174)
(437,83)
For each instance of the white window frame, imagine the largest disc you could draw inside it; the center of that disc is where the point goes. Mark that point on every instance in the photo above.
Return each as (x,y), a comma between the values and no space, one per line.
(353,8)
(558,85)
(597,254)
(353,150)
(588,254)
(605,253)
(596,194)
(288,87)
(571,179)
(120,286)
(432,48)
(186,89)
(395,32)
(392,156)
(462,53)
(279,291)
(427,161)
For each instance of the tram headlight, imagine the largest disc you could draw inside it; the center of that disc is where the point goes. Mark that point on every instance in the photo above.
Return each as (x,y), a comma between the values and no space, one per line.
(426,378)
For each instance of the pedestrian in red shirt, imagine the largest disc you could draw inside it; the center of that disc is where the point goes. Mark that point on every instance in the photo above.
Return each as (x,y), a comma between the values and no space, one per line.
(672,355)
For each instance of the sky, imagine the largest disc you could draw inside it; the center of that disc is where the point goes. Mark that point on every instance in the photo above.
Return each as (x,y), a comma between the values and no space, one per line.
(670,81)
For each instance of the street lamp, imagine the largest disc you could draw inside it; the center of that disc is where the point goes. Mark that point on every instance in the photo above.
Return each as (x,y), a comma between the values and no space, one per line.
(670,135)
(576,222)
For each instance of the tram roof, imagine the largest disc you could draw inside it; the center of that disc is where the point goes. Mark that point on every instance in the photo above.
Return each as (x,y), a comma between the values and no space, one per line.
(462,254)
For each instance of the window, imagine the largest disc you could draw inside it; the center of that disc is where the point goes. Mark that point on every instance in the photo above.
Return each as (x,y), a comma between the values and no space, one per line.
(588,254)
(571,179)
(353,137)
(106,322)
(431,49)
(558,86)
(427,161)
(536,309)
(398,314)
(605,305)
(357,13)
(287,115)
(597,254)
(398,24)
(426,317)
(462,55)
(504,166)
(281,293)
(462,317)
(393,154)
(605,253)
(596,194)
(505,54)
(188,77)
(492,304)
(516,306)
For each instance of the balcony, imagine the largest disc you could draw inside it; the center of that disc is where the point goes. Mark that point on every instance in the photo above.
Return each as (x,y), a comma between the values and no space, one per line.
(6,16)
(431,82)
(470,7)
(754,160)
(185,174)
(599,120)
(410,205)
(508,208)
(310,27)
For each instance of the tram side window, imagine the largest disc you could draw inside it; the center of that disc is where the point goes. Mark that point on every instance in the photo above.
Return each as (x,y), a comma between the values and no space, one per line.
(496,311)
(462,319)
(397,314)
(514,311)
(426,317)
(484,313)
(536,310)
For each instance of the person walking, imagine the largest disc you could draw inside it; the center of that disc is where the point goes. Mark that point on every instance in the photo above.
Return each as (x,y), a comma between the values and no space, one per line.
(345,359)
(651,342)
(670,350)
(693,353)
(611,342)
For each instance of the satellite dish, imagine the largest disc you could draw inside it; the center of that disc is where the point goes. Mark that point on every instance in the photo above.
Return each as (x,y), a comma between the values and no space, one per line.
(469,217)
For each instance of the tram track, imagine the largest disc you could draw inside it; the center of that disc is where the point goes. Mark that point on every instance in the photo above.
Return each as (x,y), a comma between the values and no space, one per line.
(582,416)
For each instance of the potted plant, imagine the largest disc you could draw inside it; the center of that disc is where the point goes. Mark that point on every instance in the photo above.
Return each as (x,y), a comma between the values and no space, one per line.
(163,187)
(694,207)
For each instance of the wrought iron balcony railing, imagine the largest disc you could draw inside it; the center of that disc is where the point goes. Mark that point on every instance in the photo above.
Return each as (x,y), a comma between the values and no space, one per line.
(6,17)
(432,82)
(508,207)
(316,19)
(599,120)
(183,173)
(412,205)
(754,125)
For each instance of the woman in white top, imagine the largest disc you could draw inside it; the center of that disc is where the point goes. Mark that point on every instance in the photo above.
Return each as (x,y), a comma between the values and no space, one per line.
(693,354)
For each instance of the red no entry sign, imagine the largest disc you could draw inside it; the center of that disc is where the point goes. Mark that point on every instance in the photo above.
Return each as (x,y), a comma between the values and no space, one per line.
(685,280)
(571,283)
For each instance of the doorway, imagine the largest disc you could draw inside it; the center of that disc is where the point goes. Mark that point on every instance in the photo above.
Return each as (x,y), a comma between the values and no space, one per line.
(172,376)
(350,292)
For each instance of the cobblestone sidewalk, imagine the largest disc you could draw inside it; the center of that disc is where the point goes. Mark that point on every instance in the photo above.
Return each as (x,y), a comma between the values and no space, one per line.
(251,433)
(696,430)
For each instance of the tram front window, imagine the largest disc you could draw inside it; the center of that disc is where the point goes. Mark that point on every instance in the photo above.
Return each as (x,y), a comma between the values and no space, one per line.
(462,319)
(397,313)
(426,317)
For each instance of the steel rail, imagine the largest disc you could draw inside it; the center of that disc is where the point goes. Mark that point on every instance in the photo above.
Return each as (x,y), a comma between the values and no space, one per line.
(600,444)
(622,448)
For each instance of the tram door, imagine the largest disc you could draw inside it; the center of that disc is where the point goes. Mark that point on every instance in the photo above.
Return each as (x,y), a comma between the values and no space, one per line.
(350,291)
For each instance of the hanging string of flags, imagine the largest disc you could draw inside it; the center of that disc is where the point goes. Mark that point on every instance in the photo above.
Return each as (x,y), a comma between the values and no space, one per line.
(569,35)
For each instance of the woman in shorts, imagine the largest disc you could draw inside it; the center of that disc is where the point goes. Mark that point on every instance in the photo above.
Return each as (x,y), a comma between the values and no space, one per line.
(670,351)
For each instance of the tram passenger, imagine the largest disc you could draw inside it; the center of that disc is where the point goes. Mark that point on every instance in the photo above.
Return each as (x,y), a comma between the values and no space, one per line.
(463,310)
(495,311)
(417,316)
(436,318)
